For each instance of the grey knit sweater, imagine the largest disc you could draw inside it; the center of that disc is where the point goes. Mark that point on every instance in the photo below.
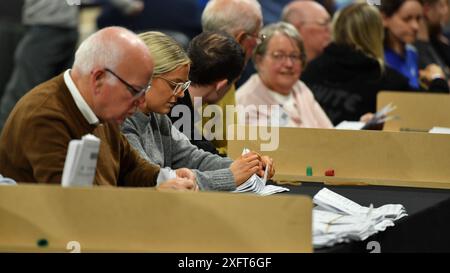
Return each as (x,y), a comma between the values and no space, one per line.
(161,143)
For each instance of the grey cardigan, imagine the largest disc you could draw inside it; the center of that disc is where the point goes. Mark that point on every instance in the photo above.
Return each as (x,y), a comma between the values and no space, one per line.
(161,143)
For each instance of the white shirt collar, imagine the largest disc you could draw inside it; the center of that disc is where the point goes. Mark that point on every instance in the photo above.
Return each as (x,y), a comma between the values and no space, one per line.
(84,108)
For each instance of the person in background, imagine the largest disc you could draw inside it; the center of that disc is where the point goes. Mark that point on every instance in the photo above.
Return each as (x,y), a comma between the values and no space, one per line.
(178,18)
(151,133)
(45,50)
(313,22)
(111,73)
(47,46)
(11,32)
(217,61)
(243,20)
(446,29)
(279,60)
(433,47)
(401,19)
(346,78)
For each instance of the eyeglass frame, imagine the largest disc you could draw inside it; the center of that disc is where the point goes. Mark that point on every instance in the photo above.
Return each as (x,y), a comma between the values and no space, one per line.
(176,84)
(283,57)
(323,24)
(259,38)
(136,93)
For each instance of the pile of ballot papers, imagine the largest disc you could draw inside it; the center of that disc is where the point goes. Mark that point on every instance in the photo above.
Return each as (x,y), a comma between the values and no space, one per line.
(375,123)
(81,162)
(337,219)
(256,184)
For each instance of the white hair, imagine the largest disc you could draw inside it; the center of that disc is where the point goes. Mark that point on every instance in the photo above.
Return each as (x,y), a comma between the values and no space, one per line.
(231,16)
(99,50)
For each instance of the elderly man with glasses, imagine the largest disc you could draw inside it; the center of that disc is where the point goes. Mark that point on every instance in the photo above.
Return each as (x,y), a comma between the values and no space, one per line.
(243,20)
(111,73)
(313,22)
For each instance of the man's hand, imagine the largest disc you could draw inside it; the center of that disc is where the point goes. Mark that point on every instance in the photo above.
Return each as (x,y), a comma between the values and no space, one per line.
(431,72)
(179,184)
(366,117)
(244,167)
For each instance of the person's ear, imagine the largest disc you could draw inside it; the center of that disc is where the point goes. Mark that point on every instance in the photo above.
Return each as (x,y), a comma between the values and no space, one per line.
(220,85)
(97,79)
(240,37)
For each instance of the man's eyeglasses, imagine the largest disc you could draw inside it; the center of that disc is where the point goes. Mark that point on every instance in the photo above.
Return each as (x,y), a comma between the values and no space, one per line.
(281,57)
(259,39)
(177,87)
(136,92)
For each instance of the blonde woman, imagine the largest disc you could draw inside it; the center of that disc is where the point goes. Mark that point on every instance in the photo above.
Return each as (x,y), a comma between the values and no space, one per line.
(347,77)
(150,130)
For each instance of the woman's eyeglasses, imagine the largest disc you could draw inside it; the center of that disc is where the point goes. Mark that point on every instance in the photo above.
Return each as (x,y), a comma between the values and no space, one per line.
(177,87)
(281,57)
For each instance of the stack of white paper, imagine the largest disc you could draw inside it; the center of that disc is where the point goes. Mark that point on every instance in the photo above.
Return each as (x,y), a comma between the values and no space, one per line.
(258,185)
(337,219)
(81,161)
(439,130)
(378,118)
(350,125)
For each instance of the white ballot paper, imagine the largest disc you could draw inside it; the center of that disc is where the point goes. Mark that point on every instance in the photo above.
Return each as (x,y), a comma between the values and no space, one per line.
(258,185)
(439,130)
(350,125)
(81,162)
(379,117)
(337,219)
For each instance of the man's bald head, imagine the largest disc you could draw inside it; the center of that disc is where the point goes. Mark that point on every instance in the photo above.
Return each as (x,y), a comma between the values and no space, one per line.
(232,16)
(312,20)
(242,19)
(301,10)
(112,71)
(109,47)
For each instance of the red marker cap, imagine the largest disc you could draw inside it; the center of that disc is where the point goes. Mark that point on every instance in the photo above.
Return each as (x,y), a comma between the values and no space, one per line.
(329,172)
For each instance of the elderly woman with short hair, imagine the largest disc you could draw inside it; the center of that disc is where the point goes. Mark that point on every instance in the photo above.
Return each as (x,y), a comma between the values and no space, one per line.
(275,96)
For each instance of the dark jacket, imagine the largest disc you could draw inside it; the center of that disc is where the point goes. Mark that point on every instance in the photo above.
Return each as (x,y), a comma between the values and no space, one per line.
(175,15)
(345,82)
(194,136)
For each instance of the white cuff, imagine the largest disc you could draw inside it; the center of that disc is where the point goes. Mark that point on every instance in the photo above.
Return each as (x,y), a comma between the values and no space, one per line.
(164,175)
(437,76)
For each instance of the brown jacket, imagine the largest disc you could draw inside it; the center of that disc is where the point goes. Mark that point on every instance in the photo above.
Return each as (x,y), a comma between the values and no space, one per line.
(34,141)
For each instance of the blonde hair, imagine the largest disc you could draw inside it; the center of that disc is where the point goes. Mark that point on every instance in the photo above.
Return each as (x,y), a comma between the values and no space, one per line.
(167,54)
(360,26)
